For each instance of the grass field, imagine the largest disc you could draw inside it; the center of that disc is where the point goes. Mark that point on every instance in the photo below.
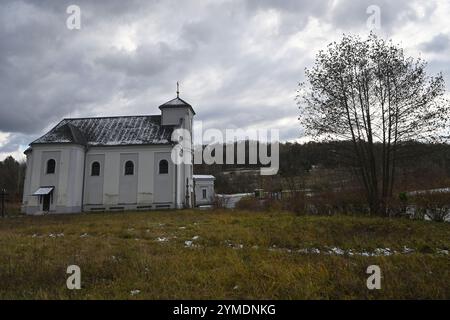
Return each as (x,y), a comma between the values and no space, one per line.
(222,255)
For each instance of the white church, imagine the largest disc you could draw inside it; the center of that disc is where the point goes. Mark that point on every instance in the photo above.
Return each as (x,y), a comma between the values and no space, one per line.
(111,164)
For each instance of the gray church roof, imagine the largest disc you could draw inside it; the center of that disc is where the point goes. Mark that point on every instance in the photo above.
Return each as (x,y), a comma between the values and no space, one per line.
(109,131)
(177,102)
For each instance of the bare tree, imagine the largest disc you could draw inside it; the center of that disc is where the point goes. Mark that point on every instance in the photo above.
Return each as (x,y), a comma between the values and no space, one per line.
(368,92)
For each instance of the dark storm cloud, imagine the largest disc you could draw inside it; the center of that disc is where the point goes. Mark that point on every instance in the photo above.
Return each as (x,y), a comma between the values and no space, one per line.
(238,61)
(439,43)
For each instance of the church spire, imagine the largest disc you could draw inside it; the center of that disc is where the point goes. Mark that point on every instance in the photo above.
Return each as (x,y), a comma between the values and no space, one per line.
(178,90)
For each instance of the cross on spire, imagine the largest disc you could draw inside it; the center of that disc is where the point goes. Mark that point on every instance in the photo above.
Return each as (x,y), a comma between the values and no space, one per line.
(178,90)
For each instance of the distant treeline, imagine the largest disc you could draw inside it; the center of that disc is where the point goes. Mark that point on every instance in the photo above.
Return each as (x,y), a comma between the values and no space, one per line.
(420,165)
(295,158)
(12,174)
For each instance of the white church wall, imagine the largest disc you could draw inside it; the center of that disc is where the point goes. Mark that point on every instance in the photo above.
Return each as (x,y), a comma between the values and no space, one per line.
(27,182)
(128,184)
(145,164)
(93,192)
(67,179)
(70,179)
(145,181)
(172,116)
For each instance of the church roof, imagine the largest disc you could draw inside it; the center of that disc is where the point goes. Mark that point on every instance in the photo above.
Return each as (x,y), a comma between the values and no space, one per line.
(109,131)
(177,102)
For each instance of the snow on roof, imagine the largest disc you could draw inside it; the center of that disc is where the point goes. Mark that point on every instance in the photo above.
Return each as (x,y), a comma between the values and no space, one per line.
(43,191)
(203,177)
(109,131)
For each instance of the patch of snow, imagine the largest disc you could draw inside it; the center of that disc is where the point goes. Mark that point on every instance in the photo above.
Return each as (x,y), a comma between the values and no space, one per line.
(84,235)
(188,243)
(135,292)
(337,251)
(442,251)
(407,250)
(162,239)
(195,237)
(51,235)
(382,252)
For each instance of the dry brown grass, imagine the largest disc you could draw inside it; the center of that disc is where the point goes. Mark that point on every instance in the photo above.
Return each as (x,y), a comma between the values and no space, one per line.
(121,253)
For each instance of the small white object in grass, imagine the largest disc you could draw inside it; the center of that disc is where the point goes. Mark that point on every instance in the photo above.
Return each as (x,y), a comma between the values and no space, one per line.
(407,250)
(147,230)
(182,228)
(235,287)
(135,292)
(382,252)
(188,243)
(84,235)
(195,237)
(315,250)
(442,251)
(162,239)
(337,251)
(303,251)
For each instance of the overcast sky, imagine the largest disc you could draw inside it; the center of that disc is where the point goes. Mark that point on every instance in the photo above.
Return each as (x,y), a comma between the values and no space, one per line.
(238,62)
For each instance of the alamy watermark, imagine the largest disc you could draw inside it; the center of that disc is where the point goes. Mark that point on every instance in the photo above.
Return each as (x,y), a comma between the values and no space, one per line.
(73,22)
(374,20)
(374,280)
(74,280)
(263,147)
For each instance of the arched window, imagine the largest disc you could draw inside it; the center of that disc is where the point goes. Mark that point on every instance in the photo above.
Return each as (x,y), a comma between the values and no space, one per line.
(129,168)
(95,169)
(163,167)
(51,166)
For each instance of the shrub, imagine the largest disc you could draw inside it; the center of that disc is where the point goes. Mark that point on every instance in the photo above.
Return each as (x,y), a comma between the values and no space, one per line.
(220,202)
(434,205)
(295,203)
(249,203)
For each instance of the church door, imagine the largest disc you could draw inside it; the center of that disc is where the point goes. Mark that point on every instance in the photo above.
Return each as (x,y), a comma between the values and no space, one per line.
(46,202)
